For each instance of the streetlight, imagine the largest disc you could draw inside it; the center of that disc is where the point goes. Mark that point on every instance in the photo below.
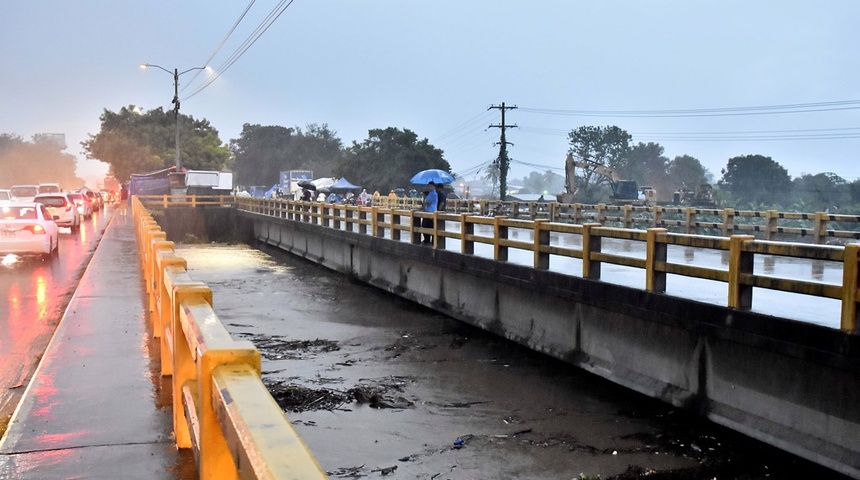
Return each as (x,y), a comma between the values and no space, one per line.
(176,73)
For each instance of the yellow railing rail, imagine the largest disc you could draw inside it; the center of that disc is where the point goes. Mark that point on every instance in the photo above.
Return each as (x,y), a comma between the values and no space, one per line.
(740,250)
(221,409)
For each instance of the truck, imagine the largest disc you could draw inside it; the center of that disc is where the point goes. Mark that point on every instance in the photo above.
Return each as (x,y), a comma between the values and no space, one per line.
(624,192)
(208,182)
(701,196)
(288,185)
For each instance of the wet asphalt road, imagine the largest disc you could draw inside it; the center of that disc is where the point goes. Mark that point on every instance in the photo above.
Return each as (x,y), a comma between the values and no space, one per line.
(379,387)
(33,296)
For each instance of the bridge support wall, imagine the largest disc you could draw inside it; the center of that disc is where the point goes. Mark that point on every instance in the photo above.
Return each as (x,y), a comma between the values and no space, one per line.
(789,384)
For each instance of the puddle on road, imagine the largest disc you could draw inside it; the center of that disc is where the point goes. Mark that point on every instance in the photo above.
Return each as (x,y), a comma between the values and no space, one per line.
(378,386)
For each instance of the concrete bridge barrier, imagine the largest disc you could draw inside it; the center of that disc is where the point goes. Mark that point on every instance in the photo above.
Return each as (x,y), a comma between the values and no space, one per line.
(787,383)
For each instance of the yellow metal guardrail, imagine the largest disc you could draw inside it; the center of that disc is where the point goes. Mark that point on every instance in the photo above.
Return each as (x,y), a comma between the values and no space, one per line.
(740,249)
(221,409)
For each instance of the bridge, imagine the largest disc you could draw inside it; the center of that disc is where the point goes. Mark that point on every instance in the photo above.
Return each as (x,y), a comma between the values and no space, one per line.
(692,354)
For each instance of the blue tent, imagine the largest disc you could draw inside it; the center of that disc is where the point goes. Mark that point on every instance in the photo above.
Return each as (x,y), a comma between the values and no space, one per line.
(343,184)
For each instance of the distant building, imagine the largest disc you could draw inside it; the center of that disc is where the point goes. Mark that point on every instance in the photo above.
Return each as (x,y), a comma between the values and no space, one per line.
(58,139)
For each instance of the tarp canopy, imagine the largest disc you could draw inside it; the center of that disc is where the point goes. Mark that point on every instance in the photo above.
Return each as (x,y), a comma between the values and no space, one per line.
(153,183)
(343,184)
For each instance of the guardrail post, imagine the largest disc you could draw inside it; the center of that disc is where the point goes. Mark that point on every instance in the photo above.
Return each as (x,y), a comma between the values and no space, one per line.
(655,257)
(728,215)
(577,213)
(657,217)
(553,211)
(627,213)
(690,221)
(740,264)
(485,207)
(378,221)
(155,245)
(438,226)
(541,239)
(771,217)
(414,226)
(500,232)
(467,230)
(395,222)
(184,367)
(590,244)
(819,227)
(600,214)
(850,284)
(362,220)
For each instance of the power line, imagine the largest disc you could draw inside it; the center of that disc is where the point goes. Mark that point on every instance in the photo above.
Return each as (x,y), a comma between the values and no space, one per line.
(221,44)
(255,35)
(708,112)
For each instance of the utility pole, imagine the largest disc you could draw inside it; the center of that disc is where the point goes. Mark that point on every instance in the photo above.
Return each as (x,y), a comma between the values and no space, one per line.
(502,161)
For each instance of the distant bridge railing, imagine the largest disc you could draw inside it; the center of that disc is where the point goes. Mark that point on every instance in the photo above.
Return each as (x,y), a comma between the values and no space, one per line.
(221,409)
(818,227)
(740,277)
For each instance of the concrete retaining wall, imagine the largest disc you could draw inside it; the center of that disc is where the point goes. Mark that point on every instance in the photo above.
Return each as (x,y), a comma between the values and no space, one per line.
(790,384)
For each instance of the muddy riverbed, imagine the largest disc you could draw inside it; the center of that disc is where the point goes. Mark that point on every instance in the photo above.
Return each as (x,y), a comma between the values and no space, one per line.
(380,387)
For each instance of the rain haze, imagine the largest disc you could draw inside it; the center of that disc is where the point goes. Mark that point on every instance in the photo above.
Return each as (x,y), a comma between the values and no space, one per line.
(708,79)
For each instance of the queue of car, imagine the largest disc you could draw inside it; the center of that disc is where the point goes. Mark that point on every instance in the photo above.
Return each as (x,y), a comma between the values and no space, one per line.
(31,216)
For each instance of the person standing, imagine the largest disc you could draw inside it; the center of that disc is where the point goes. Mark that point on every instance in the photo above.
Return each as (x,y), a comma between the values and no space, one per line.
(123,199)
(442,203)
(431,202)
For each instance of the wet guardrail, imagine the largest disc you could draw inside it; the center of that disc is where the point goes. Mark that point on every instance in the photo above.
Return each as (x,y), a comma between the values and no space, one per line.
(221,409)
(543,242)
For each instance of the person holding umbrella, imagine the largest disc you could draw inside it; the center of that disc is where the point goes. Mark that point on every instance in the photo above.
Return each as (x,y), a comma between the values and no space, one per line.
(431,201)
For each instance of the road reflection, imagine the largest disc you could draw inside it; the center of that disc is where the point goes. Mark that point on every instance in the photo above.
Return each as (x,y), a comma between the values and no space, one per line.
(35,293)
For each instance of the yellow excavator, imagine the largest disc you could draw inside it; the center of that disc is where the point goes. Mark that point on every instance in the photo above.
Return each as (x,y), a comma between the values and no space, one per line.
(624,192)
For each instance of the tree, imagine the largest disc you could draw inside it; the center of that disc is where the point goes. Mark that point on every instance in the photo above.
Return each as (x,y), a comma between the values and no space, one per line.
(316,148)
(821,192)
(756,179)
(150,140)
(36,162)
(647,165)
(261,153)
(608,146)
(388,159)
(687,172)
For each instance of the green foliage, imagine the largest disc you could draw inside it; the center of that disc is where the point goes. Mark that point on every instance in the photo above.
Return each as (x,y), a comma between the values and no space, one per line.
(820,192)
(608,146)
(756,178)
(687,172)
(36,162)
(131,142)
(262,152)
(388,158)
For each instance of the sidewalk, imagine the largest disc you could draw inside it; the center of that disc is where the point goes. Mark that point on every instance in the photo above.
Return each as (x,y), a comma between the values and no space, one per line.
(96,407)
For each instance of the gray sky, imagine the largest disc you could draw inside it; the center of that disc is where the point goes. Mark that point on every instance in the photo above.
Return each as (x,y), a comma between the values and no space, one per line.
(435,67)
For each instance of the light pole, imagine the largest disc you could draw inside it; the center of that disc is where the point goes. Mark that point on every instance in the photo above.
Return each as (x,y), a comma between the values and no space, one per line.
(176,73)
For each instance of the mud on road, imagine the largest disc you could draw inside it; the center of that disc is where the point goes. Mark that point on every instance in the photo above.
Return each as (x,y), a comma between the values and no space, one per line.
(379,387)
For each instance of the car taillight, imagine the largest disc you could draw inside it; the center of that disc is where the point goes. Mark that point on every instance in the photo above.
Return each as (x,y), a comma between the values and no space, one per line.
(35,229)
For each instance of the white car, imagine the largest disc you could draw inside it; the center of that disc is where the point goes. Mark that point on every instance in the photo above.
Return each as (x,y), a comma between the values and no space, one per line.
(62,208)
(84,206)
(28,228)
(5,196)
(24,193)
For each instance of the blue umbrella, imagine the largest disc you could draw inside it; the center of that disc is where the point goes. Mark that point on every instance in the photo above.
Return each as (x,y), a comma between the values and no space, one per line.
(432,175)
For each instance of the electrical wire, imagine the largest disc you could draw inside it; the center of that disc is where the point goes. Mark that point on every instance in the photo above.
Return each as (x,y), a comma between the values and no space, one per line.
(707,112)
(255,35)
(220,45)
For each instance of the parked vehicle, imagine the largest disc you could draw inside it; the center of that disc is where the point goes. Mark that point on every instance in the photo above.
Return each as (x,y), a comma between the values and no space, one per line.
(62,208)
(5,196)
(24,193)
(83,204)
(28,228)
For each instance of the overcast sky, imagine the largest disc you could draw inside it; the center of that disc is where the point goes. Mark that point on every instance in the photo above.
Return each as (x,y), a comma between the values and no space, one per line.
(435,67)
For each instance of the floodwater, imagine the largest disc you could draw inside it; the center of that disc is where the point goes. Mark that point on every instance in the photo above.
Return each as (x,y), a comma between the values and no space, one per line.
(380,387)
